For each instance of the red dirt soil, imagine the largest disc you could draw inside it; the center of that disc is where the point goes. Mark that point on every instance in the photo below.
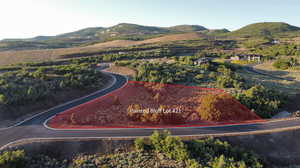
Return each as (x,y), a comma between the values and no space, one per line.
(149,105)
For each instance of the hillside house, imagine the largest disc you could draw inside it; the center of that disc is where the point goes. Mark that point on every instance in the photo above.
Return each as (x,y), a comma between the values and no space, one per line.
(201,61)
(275,42)
(247,57)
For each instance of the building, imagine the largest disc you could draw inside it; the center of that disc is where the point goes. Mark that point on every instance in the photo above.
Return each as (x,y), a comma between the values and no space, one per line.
(275,42)
(247,57)
(201,61)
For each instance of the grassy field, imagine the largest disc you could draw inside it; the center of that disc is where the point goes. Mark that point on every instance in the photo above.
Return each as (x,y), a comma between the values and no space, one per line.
(13,57)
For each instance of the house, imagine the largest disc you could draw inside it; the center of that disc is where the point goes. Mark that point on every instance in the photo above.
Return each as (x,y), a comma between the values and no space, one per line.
(203,60)
(247,57)
(275,42)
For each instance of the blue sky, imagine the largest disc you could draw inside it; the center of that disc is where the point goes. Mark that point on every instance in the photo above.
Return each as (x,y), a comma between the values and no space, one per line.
(28,18)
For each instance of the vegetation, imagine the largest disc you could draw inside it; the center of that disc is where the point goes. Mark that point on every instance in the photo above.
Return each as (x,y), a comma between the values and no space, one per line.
(266,29)
(28,87)
(263,101)
(286,63)
(220,107)
(160,150)
(12,159)
(278,50)
(173,152)
(183,71)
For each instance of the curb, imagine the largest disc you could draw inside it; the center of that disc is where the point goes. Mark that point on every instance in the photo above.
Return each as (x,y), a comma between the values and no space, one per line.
(31,140)
(36,115)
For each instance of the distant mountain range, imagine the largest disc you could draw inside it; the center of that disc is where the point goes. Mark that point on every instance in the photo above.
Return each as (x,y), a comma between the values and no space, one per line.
(136,32)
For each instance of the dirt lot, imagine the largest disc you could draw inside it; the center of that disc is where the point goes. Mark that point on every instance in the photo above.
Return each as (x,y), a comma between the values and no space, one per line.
(146,104)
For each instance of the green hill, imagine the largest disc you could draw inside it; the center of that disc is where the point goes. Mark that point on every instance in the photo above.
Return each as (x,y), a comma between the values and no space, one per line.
(127,28)
(272,29)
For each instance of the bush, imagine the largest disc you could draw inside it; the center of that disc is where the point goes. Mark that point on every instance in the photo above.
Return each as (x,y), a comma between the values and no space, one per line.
(264,101)
(221,107)
(229,79)
(140,144)
(173,147)
(13,159)
(285,63)
(212,152)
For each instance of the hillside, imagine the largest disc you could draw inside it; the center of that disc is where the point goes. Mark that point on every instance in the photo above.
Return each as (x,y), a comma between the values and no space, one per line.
(188,28)
(12,57)
(123,31)
(272,29)
(162,39)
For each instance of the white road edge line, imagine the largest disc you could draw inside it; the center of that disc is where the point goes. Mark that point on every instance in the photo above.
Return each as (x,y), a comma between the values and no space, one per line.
(132,137)
(36,115)
(48,127)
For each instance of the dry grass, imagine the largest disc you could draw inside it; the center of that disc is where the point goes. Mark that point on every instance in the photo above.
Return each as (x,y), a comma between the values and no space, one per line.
(13,57)
(122,70)
(287,74)
(287,87)
(175,37)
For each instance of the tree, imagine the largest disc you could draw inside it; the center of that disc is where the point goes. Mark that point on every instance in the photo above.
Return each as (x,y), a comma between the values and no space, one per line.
(264,101)
(2,99)
(13,159)
(222,107)
(140,144)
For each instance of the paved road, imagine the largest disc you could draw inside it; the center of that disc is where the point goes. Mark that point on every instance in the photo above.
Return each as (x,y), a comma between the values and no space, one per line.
(253,70)
(34,128)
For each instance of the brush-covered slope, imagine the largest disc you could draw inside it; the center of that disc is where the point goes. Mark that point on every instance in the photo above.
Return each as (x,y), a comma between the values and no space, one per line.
(266,29)
(188,28)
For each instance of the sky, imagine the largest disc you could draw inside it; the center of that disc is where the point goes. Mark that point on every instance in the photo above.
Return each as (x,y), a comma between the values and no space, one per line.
(30,18)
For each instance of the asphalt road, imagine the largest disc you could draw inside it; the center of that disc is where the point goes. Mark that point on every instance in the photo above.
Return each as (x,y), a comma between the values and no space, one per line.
(34,127)
(253,70)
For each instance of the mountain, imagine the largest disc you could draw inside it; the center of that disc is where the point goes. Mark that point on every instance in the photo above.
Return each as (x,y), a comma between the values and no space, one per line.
(265,29)
(99,33)
(122,31)
(188,28)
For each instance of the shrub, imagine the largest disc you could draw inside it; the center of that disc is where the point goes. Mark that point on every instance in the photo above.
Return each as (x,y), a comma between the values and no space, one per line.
(221,107)
(13,159)
(2,99)
(140,144)
(264,101)
(173,147)
(285,63)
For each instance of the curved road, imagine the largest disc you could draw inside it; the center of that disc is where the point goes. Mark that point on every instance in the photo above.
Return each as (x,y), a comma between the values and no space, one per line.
(253,70)
(34,128)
